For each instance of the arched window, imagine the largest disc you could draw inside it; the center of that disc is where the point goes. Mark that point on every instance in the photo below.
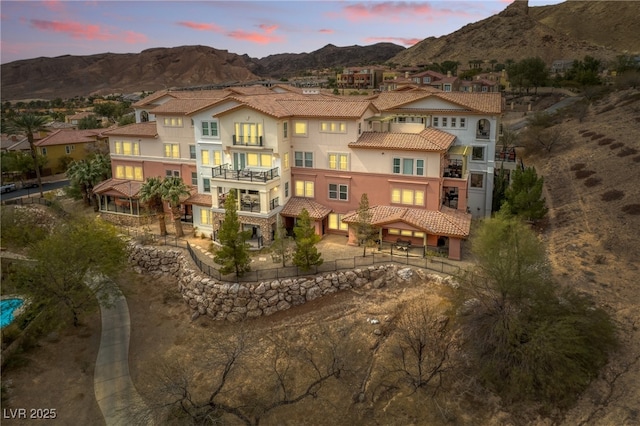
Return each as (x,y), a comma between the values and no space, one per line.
(484,129)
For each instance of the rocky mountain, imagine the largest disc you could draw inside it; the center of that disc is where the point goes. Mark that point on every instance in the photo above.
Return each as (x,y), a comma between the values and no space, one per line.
(569,30)
(153,69)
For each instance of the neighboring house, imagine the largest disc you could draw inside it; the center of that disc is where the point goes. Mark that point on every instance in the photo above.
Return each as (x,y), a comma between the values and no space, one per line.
(560,66)
(14,143)
(424,157)
(360,77)
(66,145)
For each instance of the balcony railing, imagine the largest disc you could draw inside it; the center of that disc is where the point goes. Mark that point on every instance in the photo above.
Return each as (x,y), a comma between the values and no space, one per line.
(275,202)
(506,156)
(247,140)
(226,171)
(453,169)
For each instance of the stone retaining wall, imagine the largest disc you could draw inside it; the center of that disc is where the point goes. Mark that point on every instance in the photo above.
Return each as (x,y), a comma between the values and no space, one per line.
(237,301)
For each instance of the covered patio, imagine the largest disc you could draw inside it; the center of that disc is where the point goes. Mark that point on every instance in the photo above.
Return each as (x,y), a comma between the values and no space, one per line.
(413,231)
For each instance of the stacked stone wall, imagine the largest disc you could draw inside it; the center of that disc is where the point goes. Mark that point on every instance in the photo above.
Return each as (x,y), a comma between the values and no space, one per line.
(237,301)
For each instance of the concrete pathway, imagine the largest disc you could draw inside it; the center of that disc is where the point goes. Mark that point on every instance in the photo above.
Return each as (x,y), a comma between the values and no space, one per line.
(116,395)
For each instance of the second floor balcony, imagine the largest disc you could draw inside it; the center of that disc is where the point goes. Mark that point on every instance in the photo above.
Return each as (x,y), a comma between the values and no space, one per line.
(506,155)
(243,140)
(227,172)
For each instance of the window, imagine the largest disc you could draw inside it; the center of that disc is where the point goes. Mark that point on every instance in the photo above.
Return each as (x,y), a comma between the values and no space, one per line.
(126,148)
(359,129)
(258,160)
(435,122)
(335,222)
(285,160)
(286,189)
(170,173)
(129,172)
(217,158)
(408,166)
(304,188)
(444,121)
(206,160)
(67,149)
(194,178)
(477,180)
(303,159)
(44,151)
(407,196)
(285,130)
(338,192)
(206,217)
(265,160)
(300,128)
(172,122)
(477,153)
(209,129)
(426,80)
(248,134)
(453,122)
(463,122)
(206,185)
(171,150)
(333,127)
(447,87)
(338,161)
(192,152)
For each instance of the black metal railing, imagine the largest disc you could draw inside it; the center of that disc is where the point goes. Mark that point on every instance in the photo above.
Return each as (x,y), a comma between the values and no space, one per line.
(226,171)
(275,202)
(247,140)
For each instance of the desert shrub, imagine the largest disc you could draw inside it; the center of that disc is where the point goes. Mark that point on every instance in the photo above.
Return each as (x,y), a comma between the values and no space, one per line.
(616,145)
(577,166)
(636,159)
(597,136)
(582,174)
(606,141)
(592,181)
(612,195)
(627,151)
(588,134)
(632,209)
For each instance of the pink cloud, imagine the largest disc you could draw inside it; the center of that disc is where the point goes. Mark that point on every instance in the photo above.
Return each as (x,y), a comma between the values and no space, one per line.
(325,31)
(254,37)
(397,40)
(395,11)
(201,26)
(54,5)
(268,28)
(83,31)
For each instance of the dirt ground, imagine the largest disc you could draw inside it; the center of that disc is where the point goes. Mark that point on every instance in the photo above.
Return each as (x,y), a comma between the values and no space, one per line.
(592,242)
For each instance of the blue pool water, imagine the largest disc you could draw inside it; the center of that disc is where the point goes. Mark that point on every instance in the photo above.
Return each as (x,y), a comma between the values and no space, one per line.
(7,307)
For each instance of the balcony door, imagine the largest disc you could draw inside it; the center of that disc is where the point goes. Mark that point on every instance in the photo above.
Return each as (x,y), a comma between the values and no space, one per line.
(239,160)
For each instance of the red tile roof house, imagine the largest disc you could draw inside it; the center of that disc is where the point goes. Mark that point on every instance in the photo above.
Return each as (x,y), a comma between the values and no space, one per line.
(425,158)
(66,145)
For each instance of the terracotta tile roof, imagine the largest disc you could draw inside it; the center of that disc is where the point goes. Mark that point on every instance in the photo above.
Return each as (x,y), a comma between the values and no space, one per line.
(125,188)
(489,103)
(69,137)
(338,108)
(446,222)
(429,139)
(199,200)
(185,106)
(80,115)
(148,130)
(295,205)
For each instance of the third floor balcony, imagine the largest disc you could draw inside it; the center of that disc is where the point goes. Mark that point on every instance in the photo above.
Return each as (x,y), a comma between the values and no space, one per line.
(243,140)
(227,172)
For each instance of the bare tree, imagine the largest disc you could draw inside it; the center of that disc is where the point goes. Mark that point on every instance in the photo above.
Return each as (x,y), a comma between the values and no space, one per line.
(242,380)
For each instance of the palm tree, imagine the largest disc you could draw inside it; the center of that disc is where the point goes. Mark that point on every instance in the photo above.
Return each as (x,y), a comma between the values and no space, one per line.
(29,124)
(151,195)
(173,188)
(87,173)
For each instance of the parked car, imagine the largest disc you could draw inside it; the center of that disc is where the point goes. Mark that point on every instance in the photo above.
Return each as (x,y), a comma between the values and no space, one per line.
(7,188)
(30,184)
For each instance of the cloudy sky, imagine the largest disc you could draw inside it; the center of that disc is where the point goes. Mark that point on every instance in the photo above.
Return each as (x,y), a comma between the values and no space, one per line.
(31,29)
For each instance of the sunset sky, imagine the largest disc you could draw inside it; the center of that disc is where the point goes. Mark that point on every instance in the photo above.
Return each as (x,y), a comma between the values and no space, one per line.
(31,29)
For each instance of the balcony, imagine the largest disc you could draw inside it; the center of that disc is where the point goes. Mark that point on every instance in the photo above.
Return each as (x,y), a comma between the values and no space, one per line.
(506,155)
(249,202)
(453,169)
(242,140)
(227,172)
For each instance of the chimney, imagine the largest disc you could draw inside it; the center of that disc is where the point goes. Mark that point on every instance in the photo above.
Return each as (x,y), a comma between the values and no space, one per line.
(449,73)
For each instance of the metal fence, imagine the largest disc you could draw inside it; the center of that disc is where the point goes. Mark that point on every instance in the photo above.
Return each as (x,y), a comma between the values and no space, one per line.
(407,258)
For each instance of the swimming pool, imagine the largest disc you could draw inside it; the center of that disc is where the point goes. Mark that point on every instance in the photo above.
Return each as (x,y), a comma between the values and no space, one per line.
(7,308)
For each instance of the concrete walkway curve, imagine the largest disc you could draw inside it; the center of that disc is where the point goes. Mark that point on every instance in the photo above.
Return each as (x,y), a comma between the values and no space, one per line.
(115,393)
